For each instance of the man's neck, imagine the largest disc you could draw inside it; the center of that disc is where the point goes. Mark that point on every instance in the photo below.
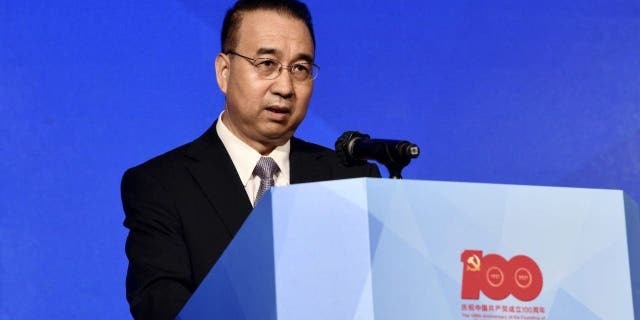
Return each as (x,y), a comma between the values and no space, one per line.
(264,148)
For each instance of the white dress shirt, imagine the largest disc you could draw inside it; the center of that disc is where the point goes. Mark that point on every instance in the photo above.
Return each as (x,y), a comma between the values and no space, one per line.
(245,159)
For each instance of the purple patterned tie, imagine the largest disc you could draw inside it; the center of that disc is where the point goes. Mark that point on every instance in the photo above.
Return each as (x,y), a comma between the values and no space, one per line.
(265,169)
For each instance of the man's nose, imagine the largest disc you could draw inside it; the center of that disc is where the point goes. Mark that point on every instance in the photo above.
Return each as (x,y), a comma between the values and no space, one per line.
(283,84)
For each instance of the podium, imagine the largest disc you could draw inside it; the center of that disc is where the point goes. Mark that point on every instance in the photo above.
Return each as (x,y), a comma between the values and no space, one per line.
(402,249)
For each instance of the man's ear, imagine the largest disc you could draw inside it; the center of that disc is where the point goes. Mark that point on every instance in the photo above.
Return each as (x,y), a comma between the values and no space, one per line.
(222,71)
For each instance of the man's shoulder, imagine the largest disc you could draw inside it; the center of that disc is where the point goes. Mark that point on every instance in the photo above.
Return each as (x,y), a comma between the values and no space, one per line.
(177,158)
(163,165)
(299,145)
(326,158)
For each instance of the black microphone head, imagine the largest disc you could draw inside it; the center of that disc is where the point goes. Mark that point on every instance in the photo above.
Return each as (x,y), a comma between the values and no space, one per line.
(408,150)
(343,148)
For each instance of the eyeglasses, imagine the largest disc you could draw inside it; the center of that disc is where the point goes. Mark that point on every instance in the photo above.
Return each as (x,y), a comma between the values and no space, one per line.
(270,69)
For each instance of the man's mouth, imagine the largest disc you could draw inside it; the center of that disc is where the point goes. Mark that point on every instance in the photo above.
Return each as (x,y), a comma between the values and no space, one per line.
(278,113)
(278,109)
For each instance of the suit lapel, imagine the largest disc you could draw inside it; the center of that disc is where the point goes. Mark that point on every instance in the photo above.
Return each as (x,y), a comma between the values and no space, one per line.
(215,173)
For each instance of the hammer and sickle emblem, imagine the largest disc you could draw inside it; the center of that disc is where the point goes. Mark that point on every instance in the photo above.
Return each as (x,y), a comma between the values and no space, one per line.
(473,263)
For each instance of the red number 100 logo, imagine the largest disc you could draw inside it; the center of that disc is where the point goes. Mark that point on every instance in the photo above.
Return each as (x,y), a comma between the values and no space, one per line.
(497,278)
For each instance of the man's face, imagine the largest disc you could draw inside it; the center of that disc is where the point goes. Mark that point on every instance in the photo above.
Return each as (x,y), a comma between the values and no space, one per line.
(265,113)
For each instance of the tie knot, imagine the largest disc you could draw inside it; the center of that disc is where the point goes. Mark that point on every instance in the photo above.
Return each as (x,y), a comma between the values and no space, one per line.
(266,168)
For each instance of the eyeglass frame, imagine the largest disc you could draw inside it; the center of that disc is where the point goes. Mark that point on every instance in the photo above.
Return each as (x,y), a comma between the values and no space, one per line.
(313,70)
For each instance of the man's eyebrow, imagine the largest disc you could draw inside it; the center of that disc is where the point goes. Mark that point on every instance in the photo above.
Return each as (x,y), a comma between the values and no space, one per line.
(267,51)
(305,57)
(301,56)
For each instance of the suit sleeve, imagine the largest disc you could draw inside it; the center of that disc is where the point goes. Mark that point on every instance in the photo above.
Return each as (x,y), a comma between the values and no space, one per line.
(159,274)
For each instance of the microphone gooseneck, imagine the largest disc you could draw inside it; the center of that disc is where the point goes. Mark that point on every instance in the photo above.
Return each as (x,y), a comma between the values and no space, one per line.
(355,148)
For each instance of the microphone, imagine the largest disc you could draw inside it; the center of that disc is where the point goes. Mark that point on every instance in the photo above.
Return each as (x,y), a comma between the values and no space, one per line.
(354,148)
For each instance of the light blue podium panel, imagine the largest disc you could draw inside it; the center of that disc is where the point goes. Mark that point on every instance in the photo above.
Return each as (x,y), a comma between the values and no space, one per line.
(391,249)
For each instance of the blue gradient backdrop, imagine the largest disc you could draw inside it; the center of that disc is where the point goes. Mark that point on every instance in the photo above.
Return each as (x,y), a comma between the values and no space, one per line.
(544,92)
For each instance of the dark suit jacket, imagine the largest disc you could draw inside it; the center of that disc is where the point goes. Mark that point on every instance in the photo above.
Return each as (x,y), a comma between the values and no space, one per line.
(183,208)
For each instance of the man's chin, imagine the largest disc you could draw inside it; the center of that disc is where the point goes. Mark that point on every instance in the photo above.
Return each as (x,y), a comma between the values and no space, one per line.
(276,138)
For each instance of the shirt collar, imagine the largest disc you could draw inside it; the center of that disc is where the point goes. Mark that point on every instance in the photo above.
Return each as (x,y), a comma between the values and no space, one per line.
(244,157)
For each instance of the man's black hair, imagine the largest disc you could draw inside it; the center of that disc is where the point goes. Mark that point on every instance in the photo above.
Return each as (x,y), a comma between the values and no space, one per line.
(233,18)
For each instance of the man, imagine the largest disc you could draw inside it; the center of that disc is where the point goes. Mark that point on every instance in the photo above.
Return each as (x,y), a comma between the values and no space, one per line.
(184,207)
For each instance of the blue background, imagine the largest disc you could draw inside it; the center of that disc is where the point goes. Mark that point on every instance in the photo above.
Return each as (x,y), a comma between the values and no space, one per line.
(544,93)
